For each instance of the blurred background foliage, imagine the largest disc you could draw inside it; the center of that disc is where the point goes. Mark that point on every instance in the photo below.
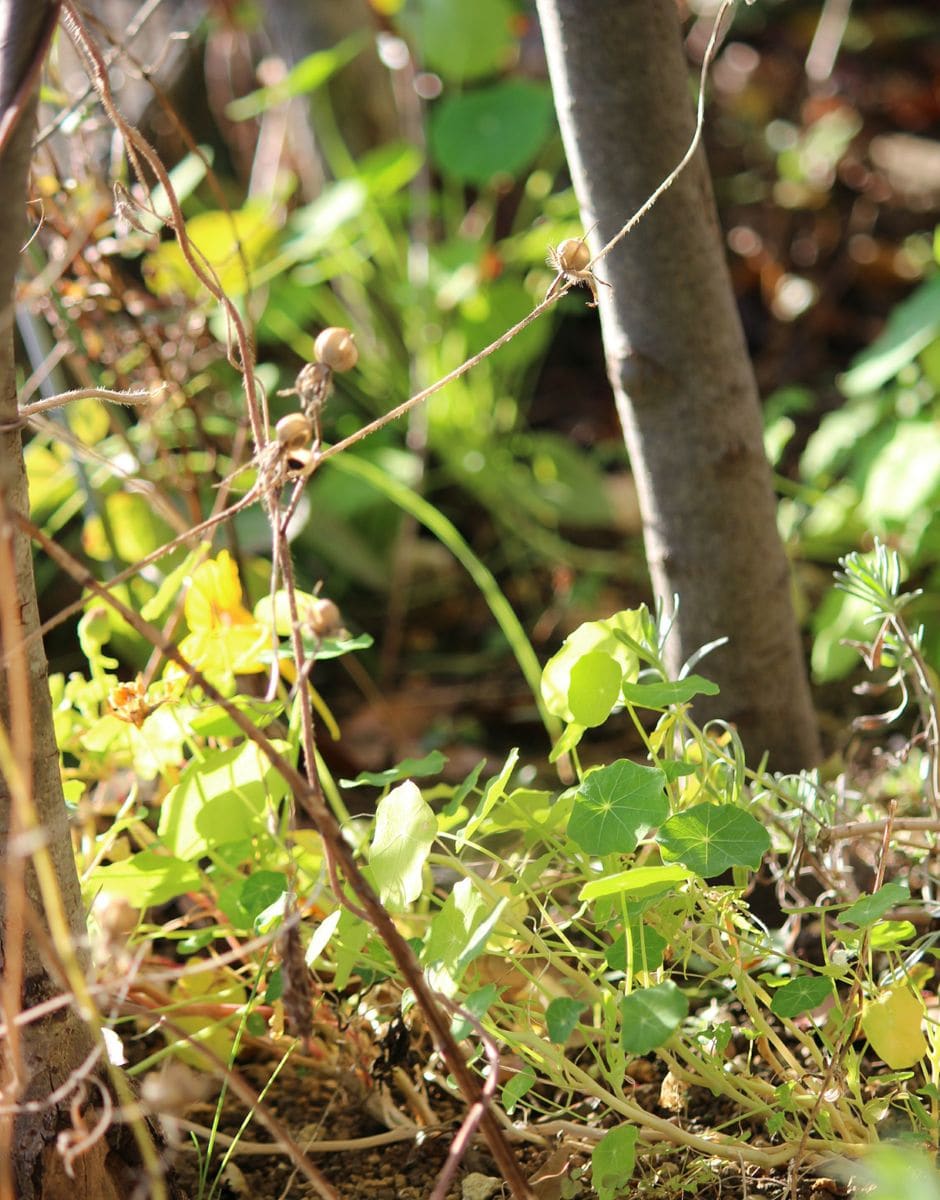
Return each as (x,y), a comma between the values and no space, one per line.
(396,168)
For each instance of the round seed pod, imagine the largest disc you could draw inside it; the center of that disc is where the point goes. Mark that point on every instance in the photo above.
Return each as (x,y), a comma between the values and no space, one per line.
(573,254)
(336,349)
(294,431)
(324,617)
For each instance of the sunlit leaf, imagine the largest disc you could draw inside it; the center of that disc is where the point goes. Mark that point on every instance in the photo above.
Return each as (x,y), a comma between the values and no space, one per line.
(615,804)
(431,764)
(305,76)
(638,881)
(892,1024)
(405,827)
(594,688)
(146,879)
(221,798)
(710,838)
(593,637)
(662,695)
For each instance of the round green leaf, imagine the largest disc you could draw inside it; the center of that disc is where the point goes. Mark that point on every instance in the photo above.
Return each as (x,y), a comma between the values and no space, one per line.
(614,804)
(800,995)
(594,689)
(464,41)
(561,1016)
(612,1162)
(491,131)
(710,838)
(650,1016)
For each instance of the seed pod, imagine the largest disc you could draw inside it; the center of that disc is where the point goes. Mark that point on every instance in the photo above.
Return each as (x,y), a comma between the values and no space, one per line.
(573,254)
(324,618)
(174,1089)
(294,431)
(301,459)
(336,349)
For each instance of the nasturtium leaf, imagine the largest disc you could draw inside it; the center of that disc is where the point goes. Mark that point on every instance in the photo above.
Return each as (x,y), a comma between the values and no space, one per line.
(662,695)
(405,827)
(260,890)
(868,909)
(449,934)
(801,995)
(305,76)
(431,764)
(475,1006)
(146,879)
(516,1088)
(594,688)
(892,1024)
(135,529)
(214,721)
(888,935)
(649,1016)
(221,798)
(567,742)
(614,804)
(493,793)
(912,326)
(612,1162)
(646,945)
(638,881)
(227,241)
(710,838)
(463,41)
(675,769)
(561,1016)
(491,131)
(321,937)
(593,637)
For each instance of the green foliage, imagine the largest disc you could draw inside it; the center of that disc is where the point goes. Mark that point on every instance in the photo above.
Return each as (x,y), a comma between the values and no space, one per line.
(873,467)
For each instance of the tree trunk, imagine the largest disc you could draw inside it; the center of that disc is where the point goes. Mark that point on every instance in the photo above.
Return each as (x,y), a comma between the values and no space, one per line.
(43,1054)
(684,386)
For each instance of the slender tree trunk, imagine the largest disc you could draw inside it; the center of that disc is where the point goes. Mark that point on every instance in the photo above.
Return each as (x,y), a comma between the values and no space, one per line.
(38,1058)
(684,386)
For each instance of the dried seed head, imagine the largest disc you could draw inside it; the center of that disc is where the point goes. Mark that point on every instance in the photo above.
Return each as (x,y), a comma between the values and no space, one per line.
(336,349)
(294,431)
(573,254)
(298,993)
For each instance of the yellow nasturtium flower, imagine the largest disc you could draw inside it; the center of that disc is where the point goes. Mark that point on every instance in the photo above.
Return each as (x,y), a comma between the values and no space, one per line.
(224,638)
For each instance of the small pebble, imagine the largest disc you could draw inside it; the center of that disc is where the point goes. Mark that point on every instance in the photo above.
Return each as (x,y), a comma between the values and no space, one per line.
(480,1187)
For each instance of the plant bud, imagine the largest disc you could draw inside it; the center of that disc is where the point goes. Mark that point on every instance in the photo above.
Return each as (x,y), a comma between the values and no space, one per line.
(336,349)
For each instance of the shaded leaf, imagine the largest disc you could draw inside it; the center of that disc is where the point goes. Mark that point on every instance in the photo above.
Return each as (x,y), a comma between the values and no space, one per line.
(649,1016)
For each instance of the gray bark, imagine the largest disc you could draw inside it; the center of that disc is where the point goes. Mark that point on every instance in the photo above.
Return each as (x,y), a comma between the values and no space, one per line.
(684,387)
(55,1046)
